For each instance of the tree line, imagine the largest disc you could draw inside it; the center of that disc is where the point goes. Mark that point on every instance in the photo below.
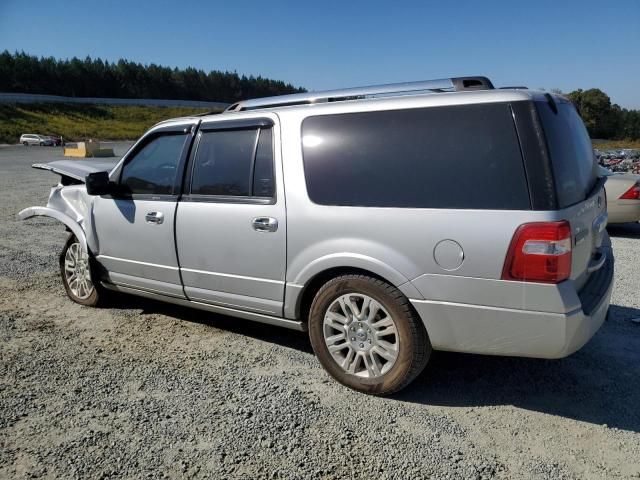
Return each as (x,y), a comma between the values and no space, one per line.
(23,73)
(603,119)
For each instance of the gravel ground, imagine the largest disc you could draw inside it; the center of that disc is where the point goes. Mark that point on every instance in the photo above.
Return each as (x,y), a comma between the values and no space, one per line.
(153,390)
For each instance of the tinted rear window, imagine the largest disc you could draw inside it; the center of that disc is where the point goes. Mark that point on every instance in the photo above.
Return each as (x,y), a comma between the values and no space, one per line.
(574,164)
(440,157)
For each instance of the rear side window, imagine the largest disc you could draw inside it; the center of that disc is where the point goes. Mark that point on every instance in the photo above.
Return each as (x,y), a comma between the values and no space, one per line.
(234,163)
(223,163)
(441,157)
(574,164)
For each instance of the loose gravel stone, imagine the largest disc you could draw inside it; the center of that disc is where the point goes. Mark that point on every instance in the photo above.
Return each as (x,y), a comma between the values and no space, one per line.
(149,390)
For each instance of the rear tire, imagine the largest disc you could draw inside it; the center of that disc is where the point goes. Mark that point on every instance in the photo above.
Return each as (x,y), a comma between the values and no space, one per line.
(366,334)
(77,275)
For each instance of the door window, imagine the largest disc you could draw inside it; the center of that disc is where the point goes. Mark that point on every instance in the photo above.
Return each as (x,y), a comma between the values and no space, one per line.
(153,169)
(234,163)
(263,183)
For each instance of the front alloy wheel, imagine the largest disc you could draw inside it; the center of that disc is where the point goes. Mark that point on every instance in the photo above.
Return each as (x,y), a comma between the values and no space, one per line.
(75,268)
(76,271)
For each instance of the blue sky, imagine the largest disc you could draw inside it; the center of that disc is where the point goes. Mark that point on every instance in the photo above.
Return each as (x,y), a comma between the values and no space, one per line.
(329,44)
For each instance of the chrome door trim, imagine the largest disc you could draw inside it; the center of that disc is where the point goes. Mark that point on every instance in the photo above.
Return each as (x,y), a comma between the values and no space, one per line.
(231,275)
(118,259)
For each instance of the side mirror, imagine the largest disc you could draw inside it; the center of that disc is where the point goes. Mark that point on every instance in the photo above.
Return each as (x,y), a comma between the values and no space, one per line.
(98,183)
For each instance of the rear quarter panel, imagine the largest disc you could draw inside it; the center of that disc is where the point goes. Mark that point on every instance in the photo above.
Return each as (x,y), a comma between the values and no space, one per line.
(395,243)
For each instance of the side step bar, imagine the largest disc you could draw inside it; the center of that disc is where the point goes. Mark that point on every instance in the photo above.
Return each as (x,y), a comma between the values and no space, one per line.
(256,317)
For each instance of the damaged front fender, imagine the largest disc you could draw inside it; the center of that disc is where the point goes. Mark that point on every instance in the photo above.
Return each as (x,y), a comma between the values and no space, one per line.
(70,205)
(67,220)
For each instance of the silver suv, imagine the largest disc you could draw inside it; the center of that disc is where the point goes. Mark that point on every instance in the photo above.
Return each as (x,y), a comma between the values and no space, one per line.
(32,139)
(387,221)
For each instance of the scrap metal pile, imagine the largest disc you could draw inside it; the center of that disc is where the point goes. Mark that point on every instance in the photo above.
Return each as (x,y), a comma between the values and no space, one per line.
(625,160)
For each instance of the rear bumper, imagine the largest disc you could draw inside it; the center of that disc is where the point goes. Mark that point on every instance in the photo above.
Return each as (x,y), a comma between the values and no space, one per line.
(505,331)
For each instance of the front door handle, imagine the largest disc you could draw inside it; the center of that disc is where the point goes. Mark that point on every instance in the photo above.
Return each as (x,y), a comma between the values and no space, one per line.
(154,217)
(265,224)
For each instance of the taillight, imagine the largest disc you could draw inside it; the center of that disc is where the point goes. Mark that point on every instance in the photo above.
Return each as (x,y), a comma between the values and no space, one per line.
(539,252)
(632,194)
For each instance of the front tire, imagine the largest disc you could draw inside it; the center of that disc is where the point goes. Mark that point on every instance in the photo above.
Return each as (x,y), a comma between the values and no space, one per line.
(77,278)
(366,334)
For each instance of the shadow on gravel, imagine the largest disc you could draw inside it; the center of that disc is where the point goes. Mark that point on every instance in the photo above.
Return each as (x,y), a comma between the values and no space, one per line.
(598,384)
(624,230)
(268,333)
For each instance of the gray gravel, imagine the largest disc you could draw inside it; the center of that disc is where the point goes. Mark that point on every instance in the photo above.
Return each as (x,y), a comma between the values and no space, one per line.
(148,390)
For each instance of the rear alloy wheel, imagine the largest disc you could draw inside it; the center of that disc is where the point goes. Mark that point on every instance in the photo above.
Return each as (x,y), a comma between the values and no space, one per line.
(75,268)
(361,335)
(366,334)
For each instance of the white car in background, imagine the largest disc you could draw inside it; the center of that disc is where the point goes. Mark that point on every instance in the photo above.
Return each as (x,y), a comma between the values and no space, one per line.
(623,196)
(33,139)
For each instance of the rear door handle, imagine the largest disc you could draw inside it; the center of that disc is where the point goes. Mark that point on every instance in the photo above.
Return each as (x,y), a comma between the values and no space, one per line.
(265,224)
(154,217)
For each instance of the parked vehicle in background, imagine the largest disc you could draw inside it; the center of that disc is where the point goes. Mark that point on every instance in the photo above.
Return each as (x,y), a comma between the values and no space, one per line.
(33,139)
(623,196)
(56,139)
(443,214)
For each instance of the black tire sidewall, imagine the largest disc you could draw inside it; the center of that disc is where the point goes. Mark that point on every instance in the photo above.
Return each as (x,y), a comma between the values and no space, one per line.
(379,291)
(91,300)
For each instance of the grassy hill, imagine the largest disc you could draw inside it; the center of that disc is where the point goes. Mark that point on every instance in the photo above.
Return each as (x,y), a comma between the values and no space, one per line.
(616,144)
(76,122)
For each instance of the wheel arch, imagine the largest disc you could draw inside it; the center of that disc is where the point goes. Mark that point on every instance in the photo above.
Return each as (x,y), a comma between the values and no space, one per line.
(299,306)
(75,228)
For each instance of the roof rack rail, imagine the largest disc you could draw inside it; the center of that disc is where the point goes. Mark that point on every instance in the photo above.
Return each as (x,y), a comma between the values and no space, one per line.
(455,84)
(204,114)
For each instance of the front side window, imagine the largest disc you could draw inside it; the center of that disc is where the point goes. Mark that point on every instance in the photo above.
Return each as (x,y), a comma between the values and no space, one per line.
(234,163)
(153,169)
